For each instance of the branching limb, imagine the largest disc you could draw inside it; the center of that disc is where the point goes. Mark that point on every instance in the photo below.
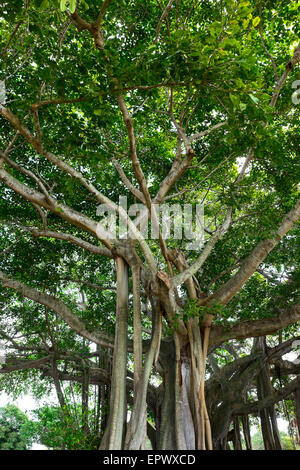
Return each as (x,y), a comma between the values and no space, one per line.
(266,402)
(255,328)
(14,121)
(101,13)
(256,257)
(294,60)
(135,191)
(72,239)
(59,307)
(23,365)
(28,173)
(198,135)
(264,46)
(5,49)
(191,270)
(133,153)
(163,16)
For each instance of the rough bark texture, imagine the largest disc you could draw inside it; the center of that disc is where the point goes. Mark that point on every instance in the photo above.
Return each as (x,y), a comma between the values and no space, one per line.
(113,436)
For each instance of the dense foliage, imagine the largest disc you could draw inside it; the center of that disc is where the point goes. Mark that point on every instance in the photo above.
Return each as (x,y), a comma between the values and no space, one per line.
(178,103)
(16,430)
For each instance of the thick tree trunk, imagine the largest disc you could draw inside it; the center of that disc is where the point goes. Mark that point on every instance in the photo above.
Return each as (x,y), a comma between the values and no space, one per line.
(191,369)
(297,399)
(176,421)
(137,429)
(85,402)
(237,440)
(113,436)
(220,426)
(165,405)
(268,419)
(246,432)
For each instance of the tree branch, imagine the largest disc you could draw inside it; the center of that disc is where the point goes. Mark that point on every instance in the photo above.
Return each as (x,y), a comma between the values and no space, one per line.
(163,16)
(255,328)
(4,50)
(266,402)
(72,239)
(135,191)
(101,14)
(60,308)
(294,60)
(191,270)
(198,135)
(256,257)
(14,121)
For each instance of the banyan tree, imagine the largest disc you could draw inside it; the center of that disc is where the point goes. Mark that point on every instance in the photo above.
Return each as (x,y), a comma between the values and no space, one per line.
(149,250)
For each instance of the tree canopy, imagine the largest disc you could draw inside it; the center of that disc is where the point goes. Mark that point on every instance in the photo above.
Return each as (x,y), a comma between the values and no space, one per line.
(16,430)
(182,104)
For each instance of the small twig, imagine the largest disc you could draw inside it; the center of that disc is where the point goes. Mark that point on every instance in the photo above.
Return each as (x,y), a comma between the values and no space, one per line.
(101,14)
(37,124)
(263,44)
(11,38)
(163,16)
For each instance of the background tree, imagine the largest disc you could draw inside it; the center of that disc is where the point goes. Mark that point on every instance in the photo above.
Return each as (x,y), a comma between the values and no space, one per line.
(57,430)
(16,430)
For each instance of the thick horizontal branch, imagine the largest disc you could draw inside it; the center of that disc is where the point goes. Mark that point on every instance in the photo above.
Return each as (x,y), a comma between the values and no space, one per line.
(60,308)
(96,377)
(255,328)
(275,397)
(72,239)
(21,364)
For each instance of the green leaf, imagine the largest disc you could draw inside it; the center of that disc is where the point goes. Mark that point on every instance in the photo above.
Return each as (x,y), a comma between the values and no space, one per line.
(72,6)
(63,5)
(44,5)
(235,100)
(245,23)
(256,21)
(254,99)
